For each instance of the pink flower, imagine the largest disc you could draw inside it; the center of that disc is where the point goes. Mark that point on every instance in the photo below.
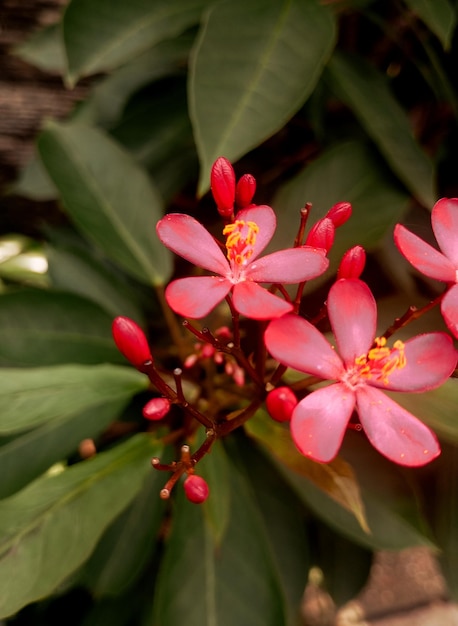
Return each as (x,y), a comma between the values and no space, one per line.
(364,367)
(240,270)
(429,261)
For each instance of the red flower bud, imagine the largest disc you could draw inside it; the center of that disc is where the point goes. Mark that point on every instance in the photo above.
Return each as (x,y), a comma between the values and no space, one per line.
(196,489)
(245,190)
(321,235)
(339,213)
(352,263)
(156,409)
(280,403)
(222,180)
(131,341)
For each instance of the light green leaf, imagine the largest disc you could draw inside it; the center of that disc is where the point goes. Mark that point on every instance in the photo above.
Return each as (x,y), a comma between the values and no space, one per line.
(234,583)
(48,328)
(109,197)
(44,50)
(438,15)
(367,93)
(351,174)
(254,65)
(50,528)
(100,35)
(30,397)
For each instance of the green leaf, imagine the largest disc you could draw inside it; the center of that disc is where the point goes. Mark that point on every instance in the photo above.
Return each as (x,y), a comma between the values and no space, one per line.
(108,196)
(367,93)
(234,583)
(50,528)
(336,479)
(100,35)
(34,182)
(31,397)
(215,469)
(49,328)
(438,15)
(352,174)
(44,50)
(254,65)
(128,543)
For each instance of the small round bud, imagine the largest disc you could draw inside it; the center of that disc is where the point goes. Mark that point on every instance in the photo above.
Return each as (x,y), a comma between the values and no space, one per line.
(222,180)
(339,213)
(131,341)
(280,403)
(244,192)
(321,235)
(352,263)
(156,409)
(87,448)
(196,489)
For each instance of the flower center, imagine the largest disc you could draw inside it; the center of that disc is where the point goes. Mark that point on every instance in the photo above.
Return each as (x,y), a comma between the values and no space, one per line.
(380,361)
(241,237)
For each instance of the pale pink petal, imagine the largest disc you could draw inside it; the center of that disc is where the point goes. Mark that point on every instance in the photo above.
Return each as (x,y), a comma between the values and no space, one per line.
(353,315)
(444,220)
(189,239)
(430,359)
(449,309)
(252,300)
(264,217)
(319,422)
(295,342)
(288,266)
(393,431)
(422,256)
(196,296)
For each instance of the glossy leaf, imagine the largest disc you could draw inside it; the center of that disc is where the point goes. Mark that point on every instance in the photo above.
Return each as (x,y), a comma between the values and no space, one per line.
(367,93)
(100,35)
(49,529)
(234,583)
(336,479)
(47,328)
(352,174)
(108,196)
(438,15)
(246,82)
(215,469)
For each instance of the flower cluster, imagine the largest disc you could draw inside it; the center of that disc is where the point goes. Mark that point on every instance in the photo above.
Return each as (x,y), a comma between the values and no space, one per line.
(349,380)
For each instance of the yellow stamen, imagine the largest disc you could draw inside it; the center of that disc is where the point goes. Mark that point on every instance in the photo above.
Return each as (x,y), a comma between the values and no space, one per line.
(380,362)
(241,237)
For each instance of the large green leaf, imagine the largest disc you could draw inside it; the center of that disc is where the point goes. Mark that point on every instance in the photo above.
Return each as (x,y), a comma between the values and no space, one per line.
(44,49)
(47,328)
(109,197)
(100,35)
(254,65)
(50,528)
(232,583)
(439,15)
(367,93)
(347,172)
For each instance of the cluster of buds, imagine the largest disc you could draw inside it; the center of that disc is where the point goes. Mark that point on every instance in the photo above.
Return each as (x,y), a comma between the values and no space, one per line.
(228,194)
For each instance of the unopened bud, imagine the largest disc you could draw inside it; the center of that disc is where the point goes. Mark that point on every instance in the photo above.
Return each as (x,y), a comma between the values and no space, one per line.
(245,190)
(339,213)
(222,180)
(321,234)
(156,409)
(280,403)
(131,341)
(196,489)
(352,263)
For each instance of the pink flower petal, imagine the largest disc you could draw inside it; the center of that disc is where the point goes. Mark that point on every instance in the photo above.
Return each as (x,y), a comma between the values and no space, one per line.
(319,422)
(252,300)
(353,316)
(189,239)
(422,256)
(444,220)
(288,266)
(393,431)
(264,217)
(431,358)
(296,343)
(449,309)
(196,296)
